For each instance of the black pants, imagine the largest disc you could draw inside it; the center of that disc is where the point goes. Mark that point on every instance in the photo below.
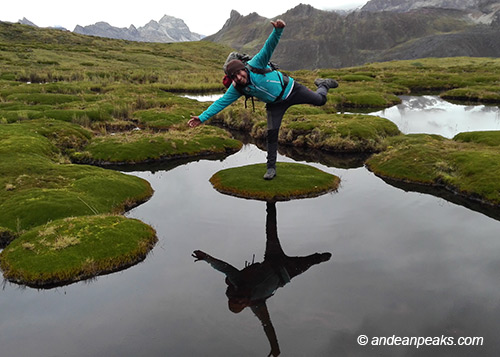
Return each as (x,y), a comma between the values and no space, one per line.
(275,255)
(275,112)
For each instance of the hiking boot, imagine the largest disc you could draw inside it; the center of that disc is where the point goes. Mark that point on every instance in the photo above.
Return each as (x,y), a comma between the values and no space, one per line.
(324,257)
(270,174)
(328,83)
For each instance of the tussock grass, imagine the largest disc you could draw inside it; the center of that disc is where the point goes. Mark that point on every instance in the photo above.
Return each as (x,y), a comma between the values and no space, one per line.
(305,126)
(490,138)
(76,57)
(440,75)
(73,249)
(479,93)
(470,169)
(38,184)
(338,132)
(142,147)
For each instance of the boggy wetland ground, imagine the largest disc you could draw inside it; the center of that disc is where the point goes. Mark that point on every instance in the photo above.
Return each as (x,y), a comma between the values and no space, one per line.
(73,106)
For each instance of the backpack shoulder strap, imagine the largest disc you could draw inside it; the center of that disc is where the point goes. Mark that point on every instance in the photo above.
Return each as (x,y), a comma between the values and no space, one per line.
(259,70)
(247,96)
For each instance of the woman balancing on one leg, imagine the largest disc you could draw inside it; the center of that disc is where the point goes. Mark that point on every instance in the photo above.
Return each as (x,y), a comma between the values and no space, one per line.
(277,90)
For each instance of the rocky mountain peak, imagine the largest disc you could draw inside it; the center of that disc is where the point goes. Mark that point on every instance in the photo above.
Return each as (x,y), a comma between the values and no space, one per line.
(25,21)
(303,10)
(383,30)
(233,19)
(168,29)
(234,14)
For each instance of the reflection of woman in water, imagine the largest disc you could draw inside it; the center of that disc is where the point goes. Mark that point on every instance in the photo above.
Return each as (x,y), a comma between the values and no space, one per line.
(254,284)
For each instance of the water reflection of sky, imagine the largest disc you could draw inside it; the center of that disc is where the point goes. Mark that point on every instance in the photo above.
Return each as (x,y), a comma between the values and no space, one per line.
(203,98)
(403,263)
(431,114)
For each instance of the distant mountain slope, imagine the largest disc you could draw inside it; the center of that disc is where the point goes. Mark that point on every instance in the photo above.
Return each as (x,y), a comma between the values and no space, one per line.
(407,5)
(480,11)
(168,29)
(477,42)
(322,39)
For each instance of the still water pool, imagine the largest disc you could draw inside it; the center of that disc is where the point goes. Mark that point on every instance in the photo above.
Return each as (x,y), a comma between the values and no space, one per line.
(431,114)
(403,264)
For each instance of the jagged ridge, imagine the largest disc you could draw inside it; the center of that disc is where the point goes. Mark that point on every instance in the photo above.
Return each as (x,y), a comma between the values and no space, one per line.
(168,29)
(332,40)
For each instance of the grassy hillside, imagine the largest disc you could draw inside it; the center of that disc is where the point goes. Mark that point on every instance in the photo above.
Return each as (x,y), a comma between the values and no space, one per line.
(30,54)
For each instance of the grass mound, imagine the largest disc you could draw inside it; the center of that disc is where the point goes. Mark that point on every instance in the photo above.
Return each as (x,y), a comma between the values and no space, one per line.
(490,138)
(38,185)
(73,249)
(292,181)
(143,147)
(470,169)
(345,133)
(306,126)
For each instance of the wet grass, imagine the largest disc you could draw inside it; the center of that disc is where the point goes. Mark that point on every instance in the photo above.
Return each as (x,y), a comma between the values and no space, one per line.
(38,184)
(489,138)
(74,249)
(461,78)
(292,181)
(338,133)
(142,147)
(478,94)
(469,165)
(311,127)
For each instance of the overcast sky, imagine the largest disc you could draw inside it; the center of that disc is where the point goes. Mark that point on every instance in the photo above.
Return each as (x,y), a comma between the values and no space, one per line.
(202,16)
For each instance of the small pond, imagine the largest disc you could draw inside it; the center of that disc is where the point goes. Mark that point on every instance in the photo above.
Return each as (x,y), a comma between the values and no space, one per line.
(431,114)
(203,97)
(403,264)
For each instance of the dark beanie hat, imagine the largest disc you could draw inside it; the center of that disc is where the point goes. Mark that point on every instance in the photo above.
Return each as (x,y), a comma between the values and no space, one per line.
(233,67)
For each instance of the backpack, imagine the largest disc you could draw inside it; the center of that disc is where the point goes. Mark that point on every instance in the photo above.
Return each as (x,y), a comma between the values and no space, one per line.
(227,81)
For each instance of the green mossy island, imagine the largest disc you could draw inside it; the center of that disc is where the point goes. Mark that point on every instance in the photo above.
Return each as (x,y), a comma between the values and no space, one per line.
(143,147)
(340,133)
(309,127)
(73,249)
(292,181)
(38,183)
(468,165)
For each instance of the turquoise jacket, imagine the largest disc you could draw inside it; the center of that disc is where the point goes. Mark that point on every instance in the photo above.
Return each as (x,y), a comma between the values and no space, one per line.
(265,87)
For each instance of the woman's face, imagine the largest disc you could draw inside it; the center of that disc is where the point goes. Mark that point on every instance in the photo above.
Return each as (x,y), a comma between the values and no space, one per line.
(240,77)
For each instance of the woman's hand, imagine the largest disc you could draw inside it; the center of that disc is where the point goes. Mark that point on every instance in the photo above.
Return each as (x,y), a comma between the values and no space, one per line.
(279,24)
(199,255)
(194,122)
